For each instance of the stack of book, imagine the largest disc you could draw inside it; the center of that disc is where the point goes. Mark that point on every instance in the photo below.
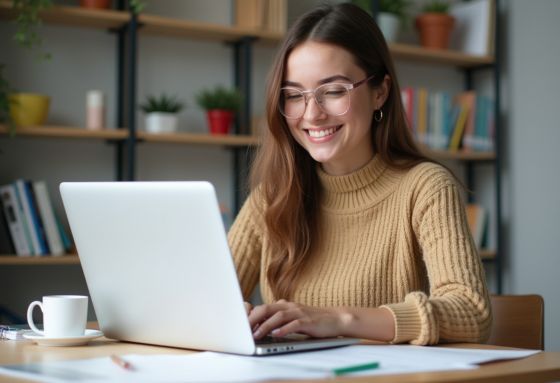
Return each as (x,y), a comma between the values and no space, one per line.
(439,121)
(28,223)
(265,15)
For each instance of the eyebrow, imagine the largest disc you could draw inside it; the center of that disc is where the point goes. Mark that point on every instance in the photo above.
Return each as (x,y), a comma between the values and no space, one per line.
(321,82)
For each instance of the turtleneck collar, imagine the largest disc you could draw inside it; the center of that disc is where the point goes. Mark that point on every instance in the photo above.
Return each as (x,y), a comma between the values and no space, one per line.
(359,189)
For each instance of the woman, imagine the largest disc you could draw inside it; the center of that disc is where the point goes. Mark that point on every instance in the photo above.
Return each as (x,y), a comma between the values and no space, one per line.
(350,230)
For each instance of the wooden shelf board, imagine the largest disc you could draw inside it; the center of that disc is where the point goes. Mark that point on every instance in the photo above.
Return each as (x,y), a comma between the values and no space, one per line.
(459,155)
(72,259)
(202,139)
(74,16)
(66,132)
(435,56)
(158,25)
(487,255)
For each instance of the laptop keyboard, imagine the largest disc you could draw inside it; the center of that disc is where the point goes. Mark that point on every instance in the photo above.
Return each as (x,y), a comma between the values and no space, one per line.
(272,339)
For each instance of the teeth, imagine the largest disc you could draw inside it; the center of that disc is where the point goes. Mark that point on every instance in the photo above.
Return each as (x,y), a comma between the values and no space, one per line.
(321,133)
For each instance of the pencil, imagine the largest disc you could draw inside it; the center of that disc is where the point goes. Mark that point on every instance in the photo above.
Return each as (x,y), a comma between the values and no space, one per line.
(121,362)
(355,368)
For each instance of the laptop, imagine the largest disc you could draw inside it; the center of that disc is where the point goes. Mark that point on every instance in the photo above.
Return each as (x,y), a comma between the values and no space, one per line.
(158,267)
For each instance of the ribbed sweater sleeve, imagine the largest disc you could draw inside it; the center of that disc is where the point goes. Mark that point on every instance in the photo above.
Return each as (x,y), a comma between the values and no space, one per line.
(457,308)
(245,243)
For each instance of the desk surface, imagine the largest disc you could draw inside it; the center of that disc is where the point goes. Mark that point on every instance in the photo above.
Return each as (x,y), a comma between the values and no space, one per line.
(542,367)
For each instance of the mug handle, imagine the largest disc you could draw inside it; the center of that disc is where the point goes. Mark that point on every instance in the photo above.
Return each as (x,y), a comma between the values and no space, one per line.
(30,316)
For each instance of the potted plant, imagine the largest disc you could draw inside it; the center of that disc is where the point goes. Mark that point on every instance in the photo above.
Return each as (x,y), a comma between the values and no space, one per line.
(220,104)
(435,25)
(161,113)
(391,17)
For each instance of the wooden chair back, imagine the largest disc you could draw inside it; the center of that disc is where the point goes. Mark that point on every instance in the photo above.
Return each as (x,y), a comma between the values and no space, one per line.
(518,321)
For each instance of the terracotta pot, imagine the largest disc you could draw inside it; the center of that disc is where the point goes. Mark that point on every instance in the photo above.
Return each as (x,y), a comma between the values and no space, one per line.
(96,4)
(219,121)
(435,29)
(29,109)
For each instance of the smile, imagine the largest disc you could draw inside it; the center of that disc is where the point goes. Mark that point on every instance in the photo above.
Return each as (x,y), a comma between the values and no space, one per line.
(320,133)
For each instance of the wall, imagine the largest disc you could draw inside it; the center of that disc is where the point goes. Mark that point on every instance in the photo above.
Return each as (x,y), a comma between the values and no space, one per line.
(532,177)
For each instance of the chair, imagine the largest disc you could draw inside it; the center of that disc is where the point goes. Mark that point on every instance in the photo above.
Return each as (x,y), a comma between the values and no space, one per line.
(518,321)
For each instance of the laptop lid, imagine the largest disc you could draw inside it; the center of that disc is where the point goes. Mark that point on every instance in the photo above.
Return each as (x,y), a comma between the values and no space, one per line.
(158,267)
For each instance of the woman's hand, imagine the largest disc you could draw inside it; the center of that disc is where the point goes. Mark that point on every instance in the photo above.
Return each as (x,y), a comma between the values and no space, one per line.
(283,318)
(248,307)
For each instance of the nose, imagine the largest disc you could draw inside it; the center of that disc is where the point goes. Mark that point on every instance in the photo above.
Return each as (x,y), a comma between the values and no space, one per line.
(312,109)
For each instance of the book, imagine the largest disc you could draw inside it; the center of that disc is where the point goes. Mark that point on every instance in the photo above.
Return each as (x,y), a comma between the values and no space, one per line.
(6,243)
(14,332)
(407,95)
(28,216)
(469,100)
(458,129)
(15,220)
(46,212)
(422,116)
(37,219)
(474,27)
(66,242)
(476,219)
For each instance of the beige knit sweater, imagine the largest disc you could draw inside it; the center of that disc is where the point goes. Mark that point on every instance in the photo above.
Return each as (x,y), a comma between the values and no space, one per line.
(392,238)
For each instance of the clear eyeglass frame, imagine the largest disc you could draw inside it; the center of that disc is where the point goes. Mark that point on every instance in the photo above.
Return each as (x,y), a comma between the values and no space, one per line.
(318,94)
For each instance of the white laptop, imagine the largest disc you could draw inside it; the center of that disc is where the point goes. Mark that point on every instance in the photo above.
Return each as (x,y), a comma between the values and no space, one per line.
(159,270)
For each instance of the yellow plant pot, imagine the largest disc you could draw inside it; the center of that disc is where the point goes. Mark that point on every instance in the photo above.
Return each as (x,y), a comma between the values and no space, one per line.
(28,109)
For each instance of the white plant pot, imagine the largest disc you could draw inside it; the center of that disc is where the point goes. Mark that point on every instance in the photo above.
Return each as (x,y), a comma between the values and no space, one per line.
(160,122)
(389,25)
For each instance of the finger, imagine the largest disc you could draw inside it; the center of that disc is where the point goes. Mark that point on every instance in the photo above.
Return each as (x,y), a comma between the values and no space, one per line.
(277,320)
(262,312)
(248,307)
(295,326)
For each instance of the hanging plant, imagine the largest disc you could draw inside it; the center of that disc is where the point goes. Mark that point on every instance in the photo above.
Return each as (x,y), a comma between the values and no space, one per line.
(27,21)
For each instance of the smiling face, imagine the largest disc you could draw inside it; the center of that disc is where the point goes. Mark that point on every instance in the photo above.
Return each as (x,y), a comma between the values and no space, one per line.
(341,144)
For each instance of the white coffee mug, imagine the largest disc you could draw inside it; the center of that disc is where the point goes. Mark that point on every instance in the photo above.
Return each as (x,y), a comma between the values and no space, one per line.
(63,315)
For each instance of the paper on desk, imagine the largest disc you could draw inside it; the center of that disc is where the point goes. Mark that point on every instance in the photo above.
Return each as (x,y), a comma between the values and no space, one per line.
(216,367)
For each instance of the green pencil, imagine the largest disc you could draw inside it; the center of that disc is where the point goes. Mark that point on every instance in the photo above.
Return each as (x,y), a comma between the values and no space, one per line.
(355,368)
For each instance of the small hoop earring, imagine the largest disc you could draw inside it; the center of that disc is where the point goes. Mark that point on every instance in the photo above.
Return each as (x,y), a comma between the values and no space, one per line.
(378,115)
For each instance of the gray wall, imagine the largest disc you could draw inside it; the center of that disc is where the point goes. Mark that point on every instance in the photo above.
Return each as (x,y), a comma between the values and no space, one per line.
(84,59)
(532,174)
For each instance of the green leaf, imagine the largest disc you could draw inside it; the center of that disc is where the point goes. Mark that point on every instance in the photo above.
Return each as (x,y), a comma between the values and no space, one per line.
(163,103)
(219,98)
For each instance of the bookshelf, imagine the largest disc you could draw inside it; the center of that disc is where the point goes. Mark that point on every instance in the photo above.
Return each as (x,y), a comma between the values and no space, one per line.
(440,57)
(10,260)
(121,134)
(240,39)
(66,132)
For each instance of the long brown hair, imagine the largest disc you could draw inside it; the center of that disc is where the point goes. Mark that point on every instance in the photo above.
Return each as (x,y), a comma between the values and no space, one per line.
(284,174)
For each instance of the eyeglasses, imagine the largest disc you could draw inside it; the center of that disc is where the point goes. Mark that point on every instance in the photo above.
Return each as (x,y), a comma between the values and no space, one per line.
(332,98)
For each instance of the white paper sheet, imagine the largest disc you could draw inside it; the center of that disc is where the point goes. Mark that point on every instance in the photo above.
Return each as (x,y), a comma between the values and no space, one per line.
(216,367)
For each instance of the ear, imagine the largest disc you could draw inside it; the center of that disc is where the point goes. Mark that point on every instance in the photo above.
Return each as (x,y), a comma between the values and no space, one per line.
(381,92)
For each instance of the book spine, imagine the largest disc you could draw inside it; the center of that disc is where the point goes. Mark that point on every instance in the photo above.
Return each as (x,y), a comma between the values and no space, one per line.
(26,222)
(15,223)
(66,242)
(37,219)
(47,216)
(6,243)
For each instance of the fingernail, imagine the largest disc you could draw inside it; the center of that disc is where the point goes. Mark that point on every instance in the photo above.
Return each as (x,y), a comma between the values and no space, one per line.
(257,333)
(275,331)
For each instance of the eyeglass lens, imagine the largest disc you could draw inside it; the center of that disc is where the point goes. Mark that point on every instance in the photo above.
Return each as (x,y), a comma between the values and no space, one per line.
(333,99)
